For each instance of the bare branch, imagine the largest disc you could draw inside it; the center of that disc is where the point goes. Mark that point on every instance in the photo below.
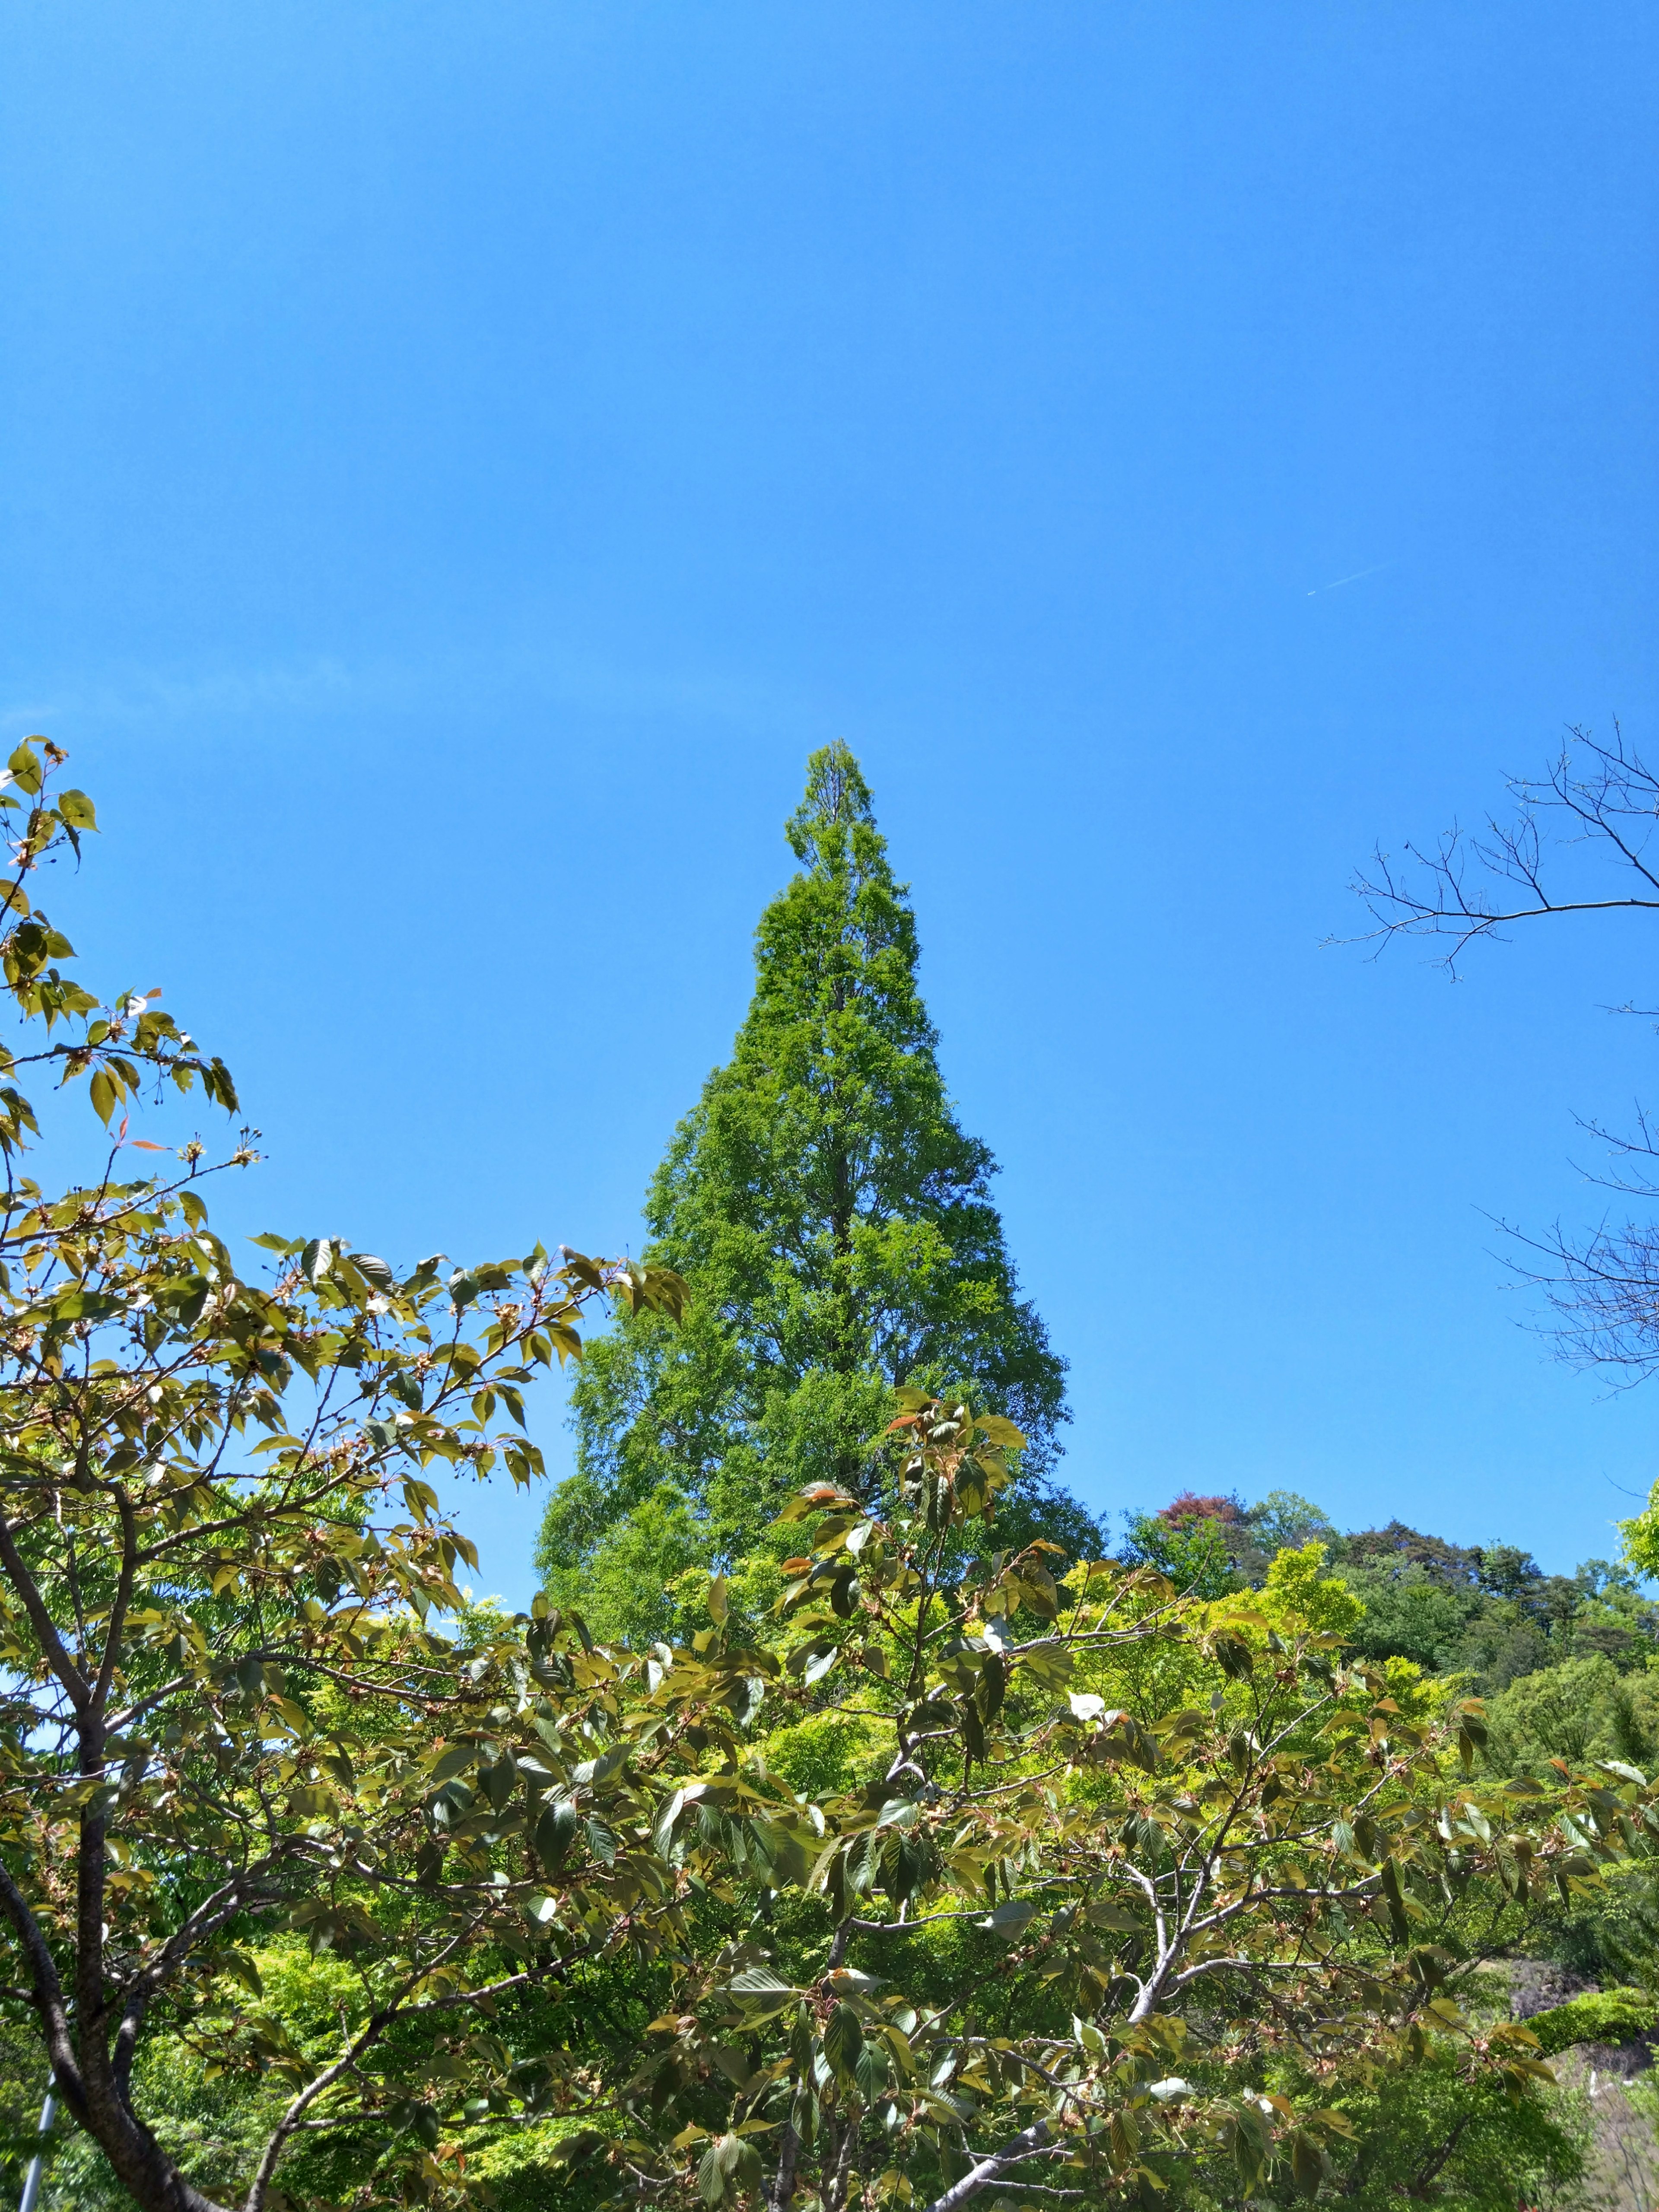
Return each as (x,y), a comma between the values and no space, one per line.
(1601,798)
(1030,2142)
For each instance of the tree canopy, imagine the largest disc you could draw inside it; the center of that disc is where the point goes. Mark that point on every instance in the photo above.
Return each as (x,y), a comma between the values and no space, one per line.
(835,1223)
(931,1868)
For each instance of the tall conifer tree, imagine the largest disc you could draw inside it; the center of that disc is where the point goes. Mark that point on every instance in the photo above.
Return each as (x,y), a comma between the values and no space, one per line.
(835,1226)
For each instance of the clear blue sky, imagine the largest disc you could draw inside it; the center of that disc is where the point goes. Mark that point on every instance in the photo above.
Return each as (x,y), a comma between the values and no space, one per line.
(458,461)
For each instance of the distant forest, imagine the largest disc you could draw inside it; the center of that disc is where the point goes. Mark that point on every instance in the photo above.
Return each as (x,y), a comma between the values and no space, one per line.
(1488,1611)
(1569,1661)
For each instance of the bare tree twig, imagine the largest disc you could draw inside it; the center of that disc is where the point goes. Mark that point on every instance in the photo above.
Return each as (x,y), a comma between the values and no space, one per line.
(1469,886)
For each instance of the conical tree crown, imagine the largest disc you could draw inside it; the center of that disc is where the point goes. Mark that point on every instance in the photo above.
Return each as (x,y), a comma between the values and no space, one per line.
(835,1223)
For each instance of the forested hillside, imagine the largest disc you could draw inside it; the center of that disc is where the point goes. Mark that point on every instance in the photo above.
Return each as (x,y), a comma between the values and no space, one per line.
(1487,1611)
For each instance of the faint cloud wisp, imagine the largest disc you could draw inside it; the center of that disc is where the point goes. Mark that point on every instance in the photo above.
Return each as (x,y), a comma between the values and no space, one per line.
(500,677)
(1336,584)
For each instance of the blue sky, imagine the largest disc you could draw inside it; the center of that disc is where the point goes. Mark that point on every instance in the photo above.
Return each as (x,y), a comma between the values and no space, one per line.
(457,462)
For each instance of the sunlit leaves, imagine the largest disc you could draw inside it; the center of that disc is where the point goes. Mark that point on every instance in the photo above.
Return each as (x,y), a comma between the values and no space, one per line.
(238,1663)
(249,1706)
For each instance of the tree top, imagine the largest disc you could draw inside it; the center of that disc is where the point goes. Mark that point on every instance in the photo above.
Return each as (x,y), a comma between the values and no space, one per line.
(837,798)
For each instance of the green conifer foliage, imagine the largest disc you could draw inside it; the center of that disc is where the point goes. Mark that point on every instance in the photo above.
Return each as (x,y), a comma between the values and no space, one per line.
(836,1225)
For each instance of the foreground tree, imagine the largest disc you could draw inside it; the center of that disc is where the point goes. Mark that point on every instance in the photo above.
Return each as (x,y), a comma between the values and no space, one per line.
(1117,1887)
(836,1227)
(222,1713)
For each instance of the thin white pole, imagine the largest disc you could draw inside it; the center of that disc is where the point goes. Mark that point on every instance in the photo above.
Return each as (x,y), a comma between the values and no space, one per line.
(36,2173)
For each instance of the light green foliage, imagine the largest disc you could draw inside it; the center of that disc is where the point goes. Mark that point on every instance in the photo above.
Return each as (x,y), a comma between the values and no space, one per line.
(1583,1709)
(1411,1613)
(1298,1585)
(1022,1790)
(1285,1521)
(827,1753)
(1282,1521)
(636,1582)
(1428,2133)
(331,1891)
(1600,2017)
(1424,2131)
(213,2124)
(1487,1611)
(1641,1535)
(1195,1558)
(835,1225)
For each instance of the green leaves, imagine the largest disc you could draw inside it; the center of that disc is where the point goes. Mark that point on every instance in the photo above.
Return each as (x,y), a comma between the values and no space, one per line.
(759,1995)
(1233,1656)
(500,1781)
(1012,1919)
(235,1651)
(854,1911)
(999,1432)
(24,769)
(843,2040)
(556,1831)
(730,2167)
(815,1661)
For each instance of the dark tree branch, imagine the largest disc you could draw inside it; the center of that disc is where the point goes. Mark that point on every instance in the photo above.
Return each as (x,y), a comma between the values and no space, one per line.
(1596,808)
(1599,797)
